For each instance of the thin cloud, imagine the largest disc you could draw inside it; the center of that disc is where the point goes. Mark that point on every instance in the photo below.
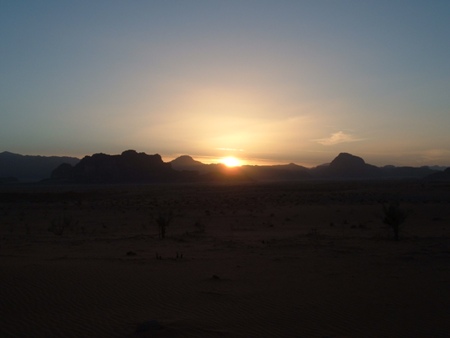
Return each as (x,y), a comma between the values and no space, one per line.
(336,138)
(230,149)
(435,155)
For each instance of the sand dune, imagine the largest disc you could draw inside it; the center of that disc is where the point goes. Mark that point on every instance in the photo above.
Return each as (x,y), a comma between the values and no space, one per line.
(269,261)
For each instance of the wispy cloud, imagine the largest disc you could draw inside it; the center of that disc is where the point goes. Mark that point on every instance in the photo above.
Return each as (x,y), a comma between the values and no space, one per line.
(435,155)
(230,149)
(336,138)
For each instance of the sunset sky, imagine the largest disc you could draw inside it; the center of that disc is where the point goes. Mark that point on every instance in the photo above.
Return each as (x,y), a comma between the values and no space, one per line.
(264,81)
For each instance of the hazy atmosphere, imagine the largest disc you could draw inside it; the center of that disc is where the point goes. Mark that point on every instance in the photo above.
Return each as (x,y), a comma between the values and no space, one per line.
(263,81)
(224,168)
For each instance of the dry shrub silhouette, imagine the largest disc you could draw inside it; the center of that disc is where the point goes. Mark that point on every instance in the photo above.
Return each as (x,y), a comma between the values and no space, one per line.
(163,220)
(394,217)
(59,224)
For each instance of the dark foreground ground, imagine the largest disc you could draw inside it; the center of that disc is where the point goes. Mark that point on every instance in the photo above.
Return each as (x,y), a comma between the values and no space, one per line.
(310,259)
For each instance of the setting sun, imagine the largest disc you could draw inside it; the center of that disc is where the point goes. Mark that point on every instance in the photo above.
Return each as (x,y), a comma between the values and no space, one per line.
(231,161)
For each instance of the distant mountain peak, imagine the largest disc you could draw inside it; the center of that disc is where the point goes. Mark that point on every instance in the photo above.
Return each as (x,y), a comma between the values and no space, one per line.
(347,166)
(129,152)
(9,154)
(185,158)
(186,162)
(346,159)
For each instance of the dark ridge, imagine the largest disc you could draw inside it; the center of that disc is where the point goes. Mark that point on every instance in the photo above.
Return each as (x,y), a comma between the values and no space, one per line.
(128,167)
(347,166)
(439,176)
(187,163)
(31,168)
(133,167)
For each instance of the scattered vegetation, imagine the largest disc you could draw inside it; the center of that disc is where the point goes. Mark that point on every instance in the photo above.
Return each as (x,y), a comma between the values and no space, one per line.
(178,256)
(394,217)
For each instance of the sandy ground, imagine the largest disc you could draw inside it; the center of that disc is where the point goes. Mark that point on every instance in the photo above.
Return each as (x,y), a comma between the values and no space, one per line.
(273,260)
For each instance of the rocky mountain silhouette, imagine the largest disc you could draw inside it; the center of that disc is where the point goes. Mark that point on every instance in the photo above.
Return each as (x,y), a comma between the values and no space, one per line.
(30,168)
(133,167)
(347,166)
(128,167)
(187,163)
(244,173)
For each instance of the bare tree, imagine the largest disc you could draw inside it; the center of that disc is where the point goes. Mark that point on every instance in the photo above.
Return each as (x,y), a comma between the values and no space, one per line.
(394,217)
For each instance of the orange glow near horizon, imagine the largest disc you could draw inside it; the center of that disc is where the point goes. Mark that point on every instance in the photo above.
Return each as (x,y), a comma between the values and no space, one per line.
(231,161)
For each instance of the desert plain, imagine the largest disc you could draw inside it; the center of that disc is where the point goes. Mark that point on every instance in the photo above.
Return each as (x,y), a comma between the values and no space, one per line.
(300,259)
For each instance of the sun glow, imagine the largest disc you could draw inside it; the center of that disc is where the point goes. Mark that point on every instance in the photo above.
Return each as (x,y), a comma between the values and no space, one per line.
(231,161)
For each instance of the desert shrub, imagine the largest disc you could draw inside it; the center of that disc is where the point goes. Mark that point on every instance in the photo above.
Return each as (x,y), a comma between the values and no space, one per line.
(59,224)
(163,220)
(394,216)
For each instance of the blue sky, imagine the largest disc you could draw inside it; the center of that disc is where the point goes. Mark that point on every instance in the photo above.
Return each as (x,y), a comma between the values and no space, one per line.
(266,81)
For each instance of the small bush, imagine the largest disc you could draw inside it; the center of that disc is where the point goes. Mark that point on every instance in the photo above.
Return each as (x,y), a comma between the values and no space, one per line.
(163,221)
(59,224)
(394,217)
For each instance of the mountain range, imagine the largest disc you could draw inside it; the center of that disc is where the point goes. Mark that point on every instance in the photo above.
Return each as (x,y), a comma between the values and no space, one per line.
(14,167)
(133,167)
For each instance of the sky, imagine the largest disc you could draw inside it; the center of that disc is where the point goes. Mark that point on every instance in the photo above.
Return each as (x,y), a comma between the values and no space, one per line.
(265,81)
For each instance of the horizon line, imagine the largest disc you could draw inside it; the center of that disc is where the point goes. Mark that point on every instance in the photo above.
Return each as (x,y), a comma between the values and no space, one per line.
(246,162)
